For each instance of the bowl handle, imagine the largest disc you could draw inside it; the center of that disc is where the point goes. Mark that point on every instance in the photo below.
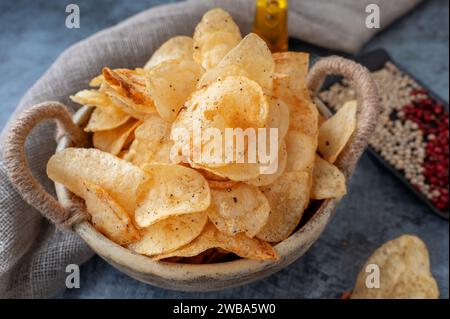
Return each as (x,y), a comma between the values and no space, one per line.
(19,171)
(368,104)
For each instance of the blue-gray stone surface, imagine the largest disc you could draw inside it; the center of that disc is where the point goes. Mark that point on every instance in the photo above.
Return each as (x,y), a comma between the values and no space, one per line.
(378,207)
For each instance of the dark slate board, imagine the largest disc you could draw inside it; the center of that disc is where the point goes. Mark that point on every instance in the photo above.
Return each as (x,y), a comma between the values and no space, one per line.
(374,61)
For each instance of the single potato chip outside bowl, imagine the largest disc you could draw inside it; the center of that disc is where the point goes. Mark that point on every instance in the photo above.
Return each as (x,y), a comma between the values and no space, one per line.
(203,277)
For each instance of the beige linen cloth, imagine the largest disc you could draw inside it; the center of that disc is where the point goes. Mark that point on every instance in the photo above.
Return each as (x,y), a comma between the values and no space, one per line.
(33,254)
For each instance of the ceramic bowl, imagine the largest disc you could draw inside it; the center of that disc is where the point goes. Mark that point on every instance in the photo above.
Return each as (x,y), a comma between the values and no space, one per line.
(198,277)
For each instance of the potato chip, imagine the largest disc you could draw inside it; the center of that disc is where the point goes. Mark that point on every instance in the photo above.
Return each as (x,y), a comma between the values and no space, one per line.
(92,98)
(250,58)
(274,116)
(283,126)
(122,154)
(107,216)
(240,209)
(176,48)
(291,69)
(234,171)
(235,102)
(112,141)
(322,119)
(266,179)
(170,83)
(328,181)
(288,198)
(129,87)
(119,178)
(129,81)
(238,244)
(301,150)
(404,267)
(97,81)
(172,190)
(412,286)
(214,47)
(278,117)
(238,102)
(215,20)
(106,118)
(336,131)
(170,234)
(304,115)
(119,103)
(151,143)
(129,139)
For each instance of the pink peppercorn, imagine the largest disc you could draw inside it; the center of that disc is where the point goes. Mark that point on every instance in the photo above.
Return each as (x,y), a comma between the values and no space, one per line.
(433,121)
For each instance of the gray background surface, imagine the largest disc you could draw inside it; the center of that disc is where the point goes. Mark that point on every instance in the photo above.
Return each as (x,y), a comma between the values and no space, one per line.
(378,207)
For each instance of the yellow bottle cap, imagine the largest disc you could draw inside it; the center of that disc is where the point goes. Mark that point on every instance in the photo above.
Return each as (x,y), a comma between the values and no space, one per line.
(271,23)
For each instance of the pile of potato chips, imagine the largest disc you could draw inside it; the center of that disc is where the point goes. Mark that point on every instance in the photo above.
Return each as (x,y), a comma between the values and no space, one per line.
(194,211)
